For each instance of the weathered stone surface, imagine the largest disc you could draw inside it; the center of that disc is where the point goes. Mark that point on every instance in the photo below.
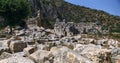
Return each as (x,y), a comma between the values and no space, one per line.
(77,37)
(65,29)
(40,56)
(17,46)
(76,58)
(29,50)
(16,60)
(113,43)
(60,54)
(41,46)
(88,51)
(49,31)
(70,28)
(19,54)
(52,37)
(4,49)
(6,43)
(116,59)
(4,46)
(65,55)
(93,52)
(88,40)
(5,55)
(42,41)
(115,51)
(109,43)
(20,33)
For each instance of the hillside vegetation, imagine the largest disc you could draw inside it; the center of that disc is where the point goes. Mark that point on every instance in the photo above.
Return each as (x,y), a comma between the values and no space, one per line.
(52,9)
(77,13)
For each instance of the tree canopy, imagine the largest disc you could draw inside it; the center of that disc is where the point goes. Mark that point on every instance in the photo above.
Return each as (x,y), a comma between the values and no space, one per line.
(14,11)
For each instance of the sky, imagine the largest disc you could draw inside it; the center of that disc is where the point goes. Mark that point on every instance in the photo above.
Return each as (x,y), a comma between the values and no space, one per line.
(109,6)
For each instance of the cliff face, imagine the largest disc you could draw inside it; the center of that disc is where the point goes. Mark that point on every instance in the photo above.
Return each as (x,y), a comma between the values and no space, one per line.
(50,10)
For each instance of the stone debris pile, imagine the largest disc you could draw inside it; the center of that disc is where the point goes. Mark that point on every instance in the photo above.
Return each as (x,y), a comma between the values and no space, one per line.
(39,45)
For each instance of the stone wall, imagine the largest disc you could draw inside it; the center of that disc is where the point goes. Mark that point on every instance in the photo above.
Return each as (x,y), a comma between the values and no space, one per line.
(70,28)
(65,29)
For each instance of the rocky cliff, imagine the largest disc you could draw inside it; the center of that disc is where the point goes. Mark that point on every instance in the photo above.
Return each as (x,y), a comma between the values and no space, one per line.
(50,10)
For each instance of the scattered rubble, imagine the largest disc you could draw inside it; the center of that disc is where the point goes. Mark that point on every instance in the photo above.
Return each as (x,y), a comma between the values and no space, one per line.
(39,45)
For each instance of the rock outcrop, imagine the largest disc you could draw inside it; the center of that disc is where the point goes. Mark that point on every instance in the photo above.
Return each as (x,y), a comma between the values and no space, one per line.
(51,10)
